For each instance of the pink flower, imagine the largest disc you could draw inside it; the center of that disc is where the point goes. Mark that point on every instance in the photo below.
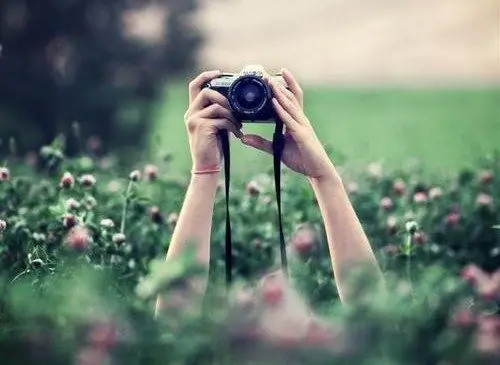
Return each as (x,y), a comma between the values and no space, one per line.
(78,238)
(487,339)
(88,180)
(419,237)
(435,193)
(464,318)
(103,335)
(386,203)
(484,200)
(3,225)
(352,188)
(253,188)
(420,197)
(67,181)
(4,174)
(94,143)
(272,290)
(471,273)
(486,177)
(151,172)
(452,219)
(135,175)
(399,186)
(92,356)
(304,240)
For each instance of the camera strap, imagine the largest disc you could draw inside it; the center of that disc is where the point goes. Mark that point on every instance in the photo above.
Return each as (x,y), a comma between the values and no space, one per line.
(278,144)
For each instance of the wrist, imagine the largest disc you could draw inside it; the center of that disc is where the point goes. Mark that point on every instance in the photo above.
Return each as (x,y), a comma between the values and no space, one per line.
(331,179)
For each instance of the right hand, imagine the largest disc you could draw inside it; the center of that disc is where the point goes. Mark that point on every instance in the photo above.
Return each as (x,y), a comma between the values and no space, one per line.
(207,114)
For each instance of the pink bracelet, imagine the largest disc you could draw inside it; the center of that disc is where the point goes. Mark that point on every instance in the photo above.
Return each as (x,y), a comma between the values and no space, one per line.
(208,170)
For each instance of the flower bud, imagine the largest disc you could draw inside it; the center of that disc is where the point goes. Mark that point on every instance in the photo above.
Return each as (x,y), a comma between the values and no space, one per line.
(272,291)
(107,223)
(419,237)
(69,221)
(386,203)
(486,177)
(151,172)
(399,187)
(72,204)
(484,200)
(3,225)
(420,197)
(435,193)
(452,219)
(67,181)
(88,180)
(253,188)
(4,174)
(135,175)
(172,219)
(392,224)
(155,214)
(411,227)
(118,238)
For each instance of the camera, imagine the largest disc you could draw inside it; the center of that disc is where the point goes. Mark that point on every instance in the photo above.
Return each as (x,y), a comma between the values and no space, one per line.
(248,94)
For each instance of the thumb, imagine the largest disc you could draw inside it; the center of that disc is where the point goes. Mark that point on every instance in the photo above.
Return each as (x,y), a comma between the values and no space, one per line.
(257,142)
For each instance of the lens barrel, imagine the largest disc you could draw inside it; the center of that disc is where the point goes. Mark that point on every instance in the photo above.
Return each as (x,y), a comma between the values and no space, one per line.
(248,95)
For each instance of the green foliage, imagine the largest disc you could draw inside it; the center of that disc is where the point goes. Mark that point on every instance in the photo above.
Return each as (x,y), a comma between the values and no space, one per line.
(71,293)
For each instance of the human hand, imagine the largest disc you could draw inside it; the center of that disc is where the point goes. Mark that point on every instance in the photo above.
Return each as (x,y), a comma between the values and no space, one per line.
(207,114)
(303,152)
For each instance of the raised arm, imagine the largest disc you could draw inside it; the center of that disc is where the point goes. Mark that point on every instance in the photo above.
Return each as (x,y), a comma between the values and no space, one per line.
(207,114)
(304,153)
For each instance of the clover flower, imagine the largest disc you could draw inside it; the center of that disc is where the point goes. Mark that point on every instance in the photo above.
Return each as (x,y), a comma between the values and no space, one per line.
(67,181)
(88,180)
(4,174)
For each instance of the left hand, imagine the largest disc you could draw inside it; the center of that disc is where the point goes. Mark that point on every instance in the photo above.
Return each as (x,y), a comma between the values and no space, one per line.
(303,152)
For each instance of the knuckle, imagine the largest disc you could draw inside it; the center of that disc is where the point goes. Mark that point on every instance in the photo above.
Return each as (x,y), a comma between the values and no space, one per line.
(192,124)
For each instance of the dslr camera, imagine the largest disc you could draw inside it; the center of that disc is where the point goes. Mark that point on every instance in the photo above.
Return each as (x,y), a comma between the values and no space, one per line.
(248,93)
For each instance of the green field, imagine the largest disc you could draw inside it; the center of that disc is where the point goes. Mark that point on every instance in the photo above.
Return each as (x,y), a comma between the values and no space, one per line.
(444,129)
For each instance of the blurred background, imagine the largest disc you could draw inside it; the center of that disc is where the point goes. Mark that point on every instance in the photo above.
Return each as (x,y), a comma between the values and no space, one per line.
(392,81)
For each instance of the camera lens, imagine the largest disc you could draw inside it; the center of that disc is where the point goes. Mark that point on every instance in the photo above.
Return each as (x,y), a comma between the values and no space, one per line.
(249,95)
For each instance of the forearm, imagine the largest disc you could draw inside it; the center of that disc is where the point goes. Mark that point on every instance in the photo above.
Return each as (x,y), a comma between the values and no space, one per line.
(347,241)
(194,226)
(195,219)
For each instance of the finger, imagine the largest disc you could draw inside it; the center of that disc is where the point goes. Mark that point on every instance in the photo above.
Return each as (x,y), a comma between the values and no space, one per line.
(258,142)
(285,117)
(207,97)
(293,85)
(215,111)
(279,92)
(196,85)
(225,124)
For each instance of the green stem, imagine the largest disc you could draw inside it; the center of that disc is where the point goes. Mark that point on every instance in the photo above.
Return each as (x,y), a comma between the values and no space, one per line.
(125,207)
(408,259)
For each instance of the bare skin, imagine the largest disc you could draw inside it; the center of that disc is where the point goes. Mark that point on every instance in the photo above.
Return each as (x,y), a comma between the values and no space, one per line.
(209,112)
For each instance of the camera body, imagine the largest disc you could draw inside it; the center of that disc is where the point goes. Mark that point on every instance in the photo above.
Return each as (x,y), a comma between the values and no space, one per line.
(249,95)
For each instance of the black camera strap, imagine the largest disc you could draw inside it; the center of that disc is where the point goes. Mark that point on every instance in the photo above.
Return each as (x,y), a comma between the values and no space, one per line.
(278,145)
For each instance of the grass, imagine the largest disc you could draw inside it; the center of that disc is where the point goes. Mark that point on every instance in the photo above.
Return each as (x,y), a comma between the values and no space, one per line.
(443,128)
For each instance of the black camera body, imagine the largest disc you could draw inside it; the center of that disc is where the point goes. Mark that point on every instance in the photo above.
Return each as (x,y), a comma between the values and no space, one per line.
(249,95)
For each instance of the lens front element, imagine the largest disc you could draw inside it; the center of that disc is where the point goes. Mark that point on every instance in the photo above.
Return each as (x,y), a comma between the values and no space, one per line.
(248,95)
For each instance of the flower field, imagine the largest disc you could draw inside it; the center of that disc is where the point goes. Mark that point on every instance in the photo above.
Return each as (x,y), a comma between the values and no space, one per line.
(82,244)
